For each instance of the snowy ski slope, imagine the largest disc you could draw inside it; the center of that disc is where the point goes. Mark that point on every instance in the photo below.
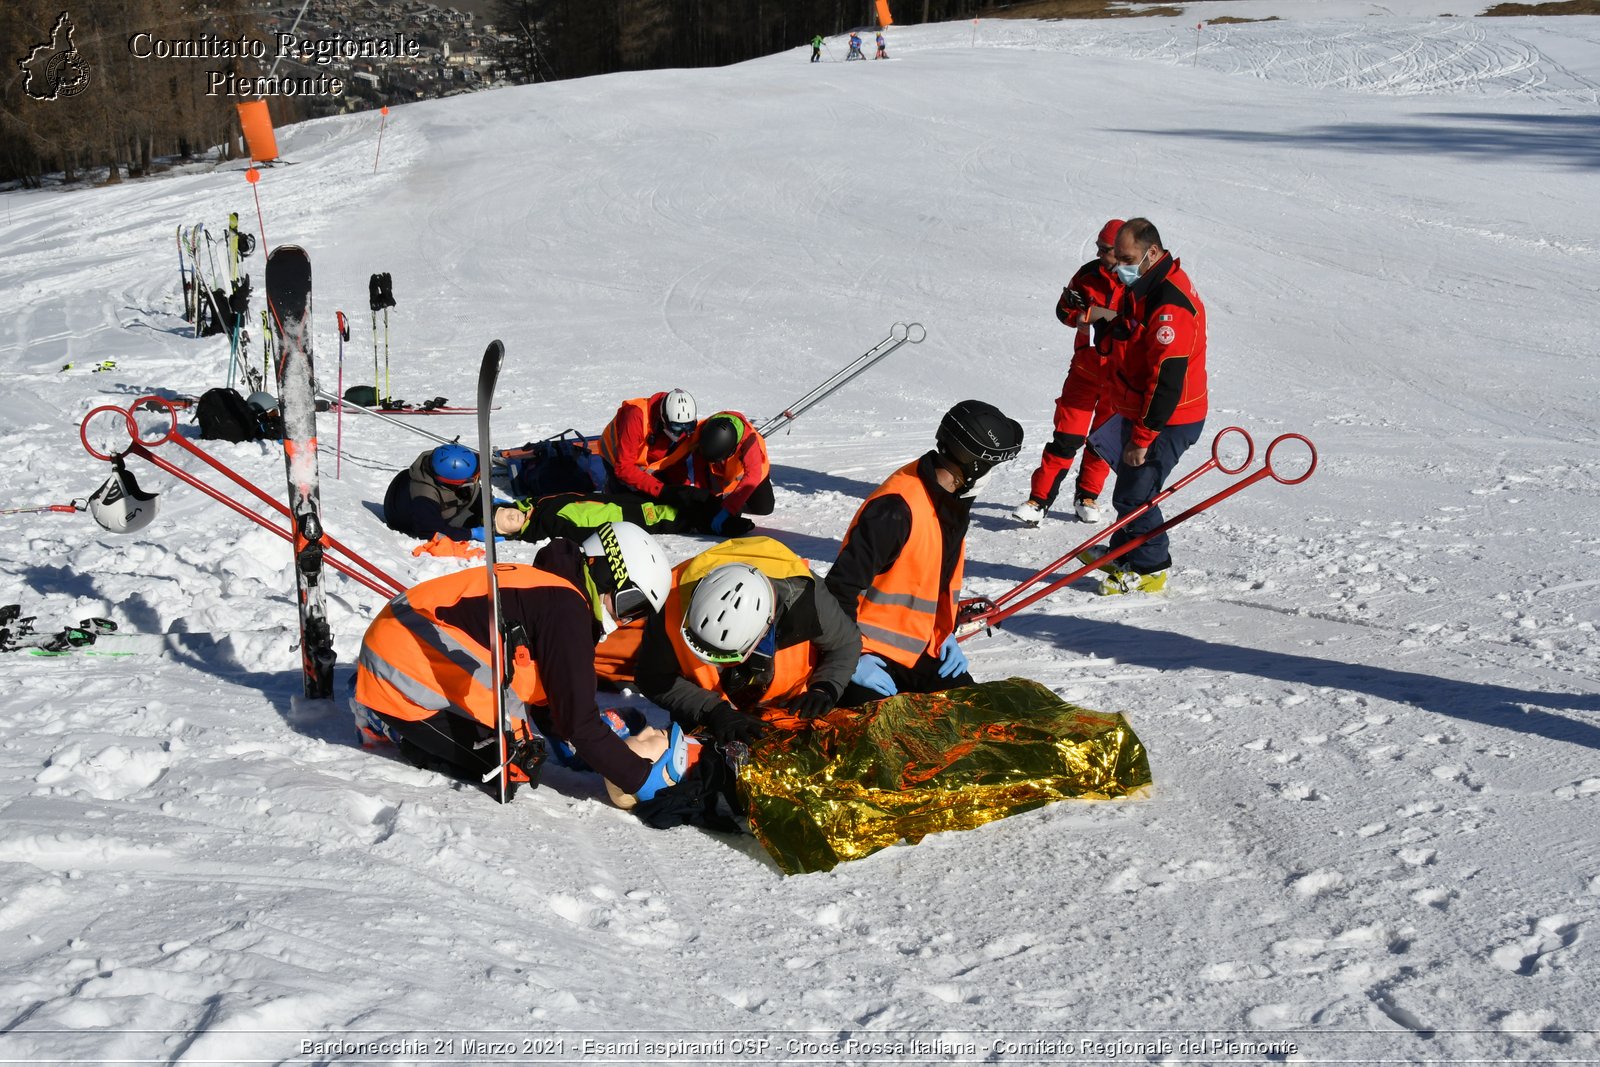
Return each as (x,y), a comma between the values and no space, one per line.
(1372,702)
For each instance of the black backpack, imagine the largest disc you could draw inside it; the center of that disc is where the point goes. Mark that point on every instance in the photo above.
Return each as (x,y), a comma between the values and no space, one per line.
(560,464)
(224,416)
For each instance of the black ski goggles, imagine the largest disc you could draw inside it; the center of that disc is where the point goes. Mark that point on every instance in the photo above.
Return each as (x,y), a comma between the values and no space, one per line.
(677,430)
(630,604)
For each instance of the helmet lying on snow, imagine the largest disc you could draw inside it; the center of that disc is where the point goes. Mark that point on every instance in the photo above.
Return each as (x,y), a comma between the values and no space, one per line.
(120,505)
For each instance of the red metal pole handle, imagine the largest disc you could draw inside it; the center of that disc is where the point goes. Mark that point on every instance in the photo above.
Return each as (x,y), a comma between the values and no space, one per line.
(1216,450)
(153,403)
(1273,447)
(1214,463)
(1267,471)
(83,432)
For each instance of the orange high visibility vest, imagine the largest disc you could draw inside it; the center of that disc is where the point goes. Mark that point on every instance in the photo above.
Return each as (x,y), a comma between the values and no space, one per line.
(904,612)
(791,666)
(611,441)
(413,666)
(722,477)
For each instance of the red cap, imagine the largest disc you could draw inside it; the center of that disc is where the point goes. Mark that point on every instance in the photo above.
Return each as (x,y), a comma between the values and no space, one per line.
(1108,233)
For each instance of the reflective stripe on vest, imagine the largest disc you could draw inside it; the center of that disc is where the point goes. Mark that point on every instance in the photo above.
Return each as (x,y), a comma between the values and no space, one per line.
(412,665)
(904,613)
(791,666)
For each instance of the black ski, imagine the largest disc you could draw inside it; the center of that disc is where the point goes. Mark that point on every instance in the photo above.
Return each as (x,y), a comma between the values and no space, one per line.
(488,377)
(289,300)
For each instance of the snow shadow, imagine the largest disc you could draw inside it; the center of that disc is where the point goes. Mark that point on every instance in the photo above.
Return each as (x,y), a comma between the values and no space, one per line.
(1485,704)
(1571,140)
(801,480)
(205,652)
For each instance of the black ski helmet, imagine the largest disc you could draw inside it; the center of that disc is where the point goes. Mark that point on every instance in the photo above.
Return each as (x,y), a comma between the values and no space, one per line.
(719,436)
(120,505)
(975,436)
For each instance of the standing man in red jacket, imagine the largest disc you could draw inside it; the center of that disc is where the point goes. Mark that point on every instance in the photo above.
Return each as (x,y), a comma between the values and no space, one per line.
(1157,383)
(1085,306)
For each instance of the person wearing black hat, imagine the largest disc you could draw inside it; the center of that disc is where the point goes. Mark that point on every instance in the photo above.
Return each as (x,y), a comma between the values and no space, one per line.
(899,570)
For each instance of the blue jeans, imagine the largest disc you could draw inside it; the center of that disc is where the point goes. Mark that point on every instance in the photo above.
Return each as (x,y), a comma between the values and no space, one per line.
(1136,485)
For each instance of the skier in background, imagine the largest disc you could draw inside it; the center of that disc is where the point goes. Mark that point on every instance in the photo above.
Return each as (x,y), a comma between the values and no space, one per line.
(883,49)
(855,47)
(816,49)
(1085,306)
(899,570)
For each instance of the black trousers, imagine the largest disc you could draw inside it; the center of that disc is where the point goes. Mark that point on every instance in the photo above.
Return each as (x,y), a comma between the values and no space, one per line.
(761,501)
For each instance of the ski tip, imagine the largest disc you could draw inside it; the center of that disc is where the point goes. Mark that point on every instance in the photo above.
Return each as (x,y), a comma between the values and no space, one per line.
(492,357)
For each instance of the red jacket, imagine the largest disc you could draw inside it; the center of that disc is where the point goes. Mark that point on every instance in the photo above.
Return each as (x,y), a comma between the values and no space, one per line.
(640,454)
(736,478)
(1093,343)
(1158,360)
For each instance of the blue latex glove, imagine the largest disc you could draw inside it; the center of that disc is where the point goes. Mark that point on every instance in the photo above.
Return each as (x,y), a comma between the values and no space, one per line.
(872,673)
(952,661)
(718,521)
(668,768)
(477,535)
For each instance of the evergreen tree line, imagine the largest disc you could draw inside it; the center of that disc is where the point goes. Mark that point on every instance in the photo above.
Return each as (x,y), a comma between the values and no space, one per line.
(129,110)
(546,40)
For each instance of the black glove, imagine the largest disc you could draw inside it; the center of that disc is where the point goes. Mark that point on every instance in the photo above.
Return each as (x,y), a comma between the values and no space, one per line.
(1073,300)
(728,723)
(686,496)
(818,700)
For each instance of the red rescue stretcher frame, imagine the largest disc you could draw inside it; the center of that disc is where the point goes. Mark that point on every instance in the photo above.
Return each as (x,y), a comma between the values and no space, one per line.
(979,614)
(351,565)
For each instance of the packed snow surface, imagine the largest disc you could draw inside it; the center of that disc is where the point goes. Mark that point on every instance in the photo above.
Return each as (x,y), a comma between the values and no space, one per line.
(1371,701)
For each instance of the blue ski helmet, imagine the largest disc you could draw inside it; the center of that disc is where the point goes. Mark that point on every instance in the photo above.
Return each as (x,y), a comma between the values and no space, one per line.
(455,464)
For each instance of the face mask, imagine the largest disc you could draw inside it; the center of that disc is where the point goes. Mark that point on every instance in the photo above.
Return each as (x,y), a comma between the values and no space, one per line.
(970,490)
(1128,273)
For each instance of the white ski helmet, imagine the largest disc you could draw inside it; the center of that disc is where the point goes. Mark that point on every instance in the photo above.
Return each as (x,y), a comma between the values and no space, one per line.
(730,612)
(678,414)
(120,505)
(262,401)
(635,571)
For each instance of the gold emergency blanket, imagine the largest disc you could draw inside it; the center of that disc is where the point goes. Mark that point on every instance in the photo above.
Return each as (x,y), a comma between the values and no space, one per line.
(916,764)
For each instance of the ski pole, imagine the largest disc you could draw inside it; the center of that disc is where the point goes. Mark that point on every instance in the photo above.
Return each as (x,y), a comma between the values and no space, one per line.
(377,397)
(139,445)
(1268,470)
(388,397)
(66,509)
(1216,462)
(375,413)
(338,434)
(253,176)
(384,111)
(899,334)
